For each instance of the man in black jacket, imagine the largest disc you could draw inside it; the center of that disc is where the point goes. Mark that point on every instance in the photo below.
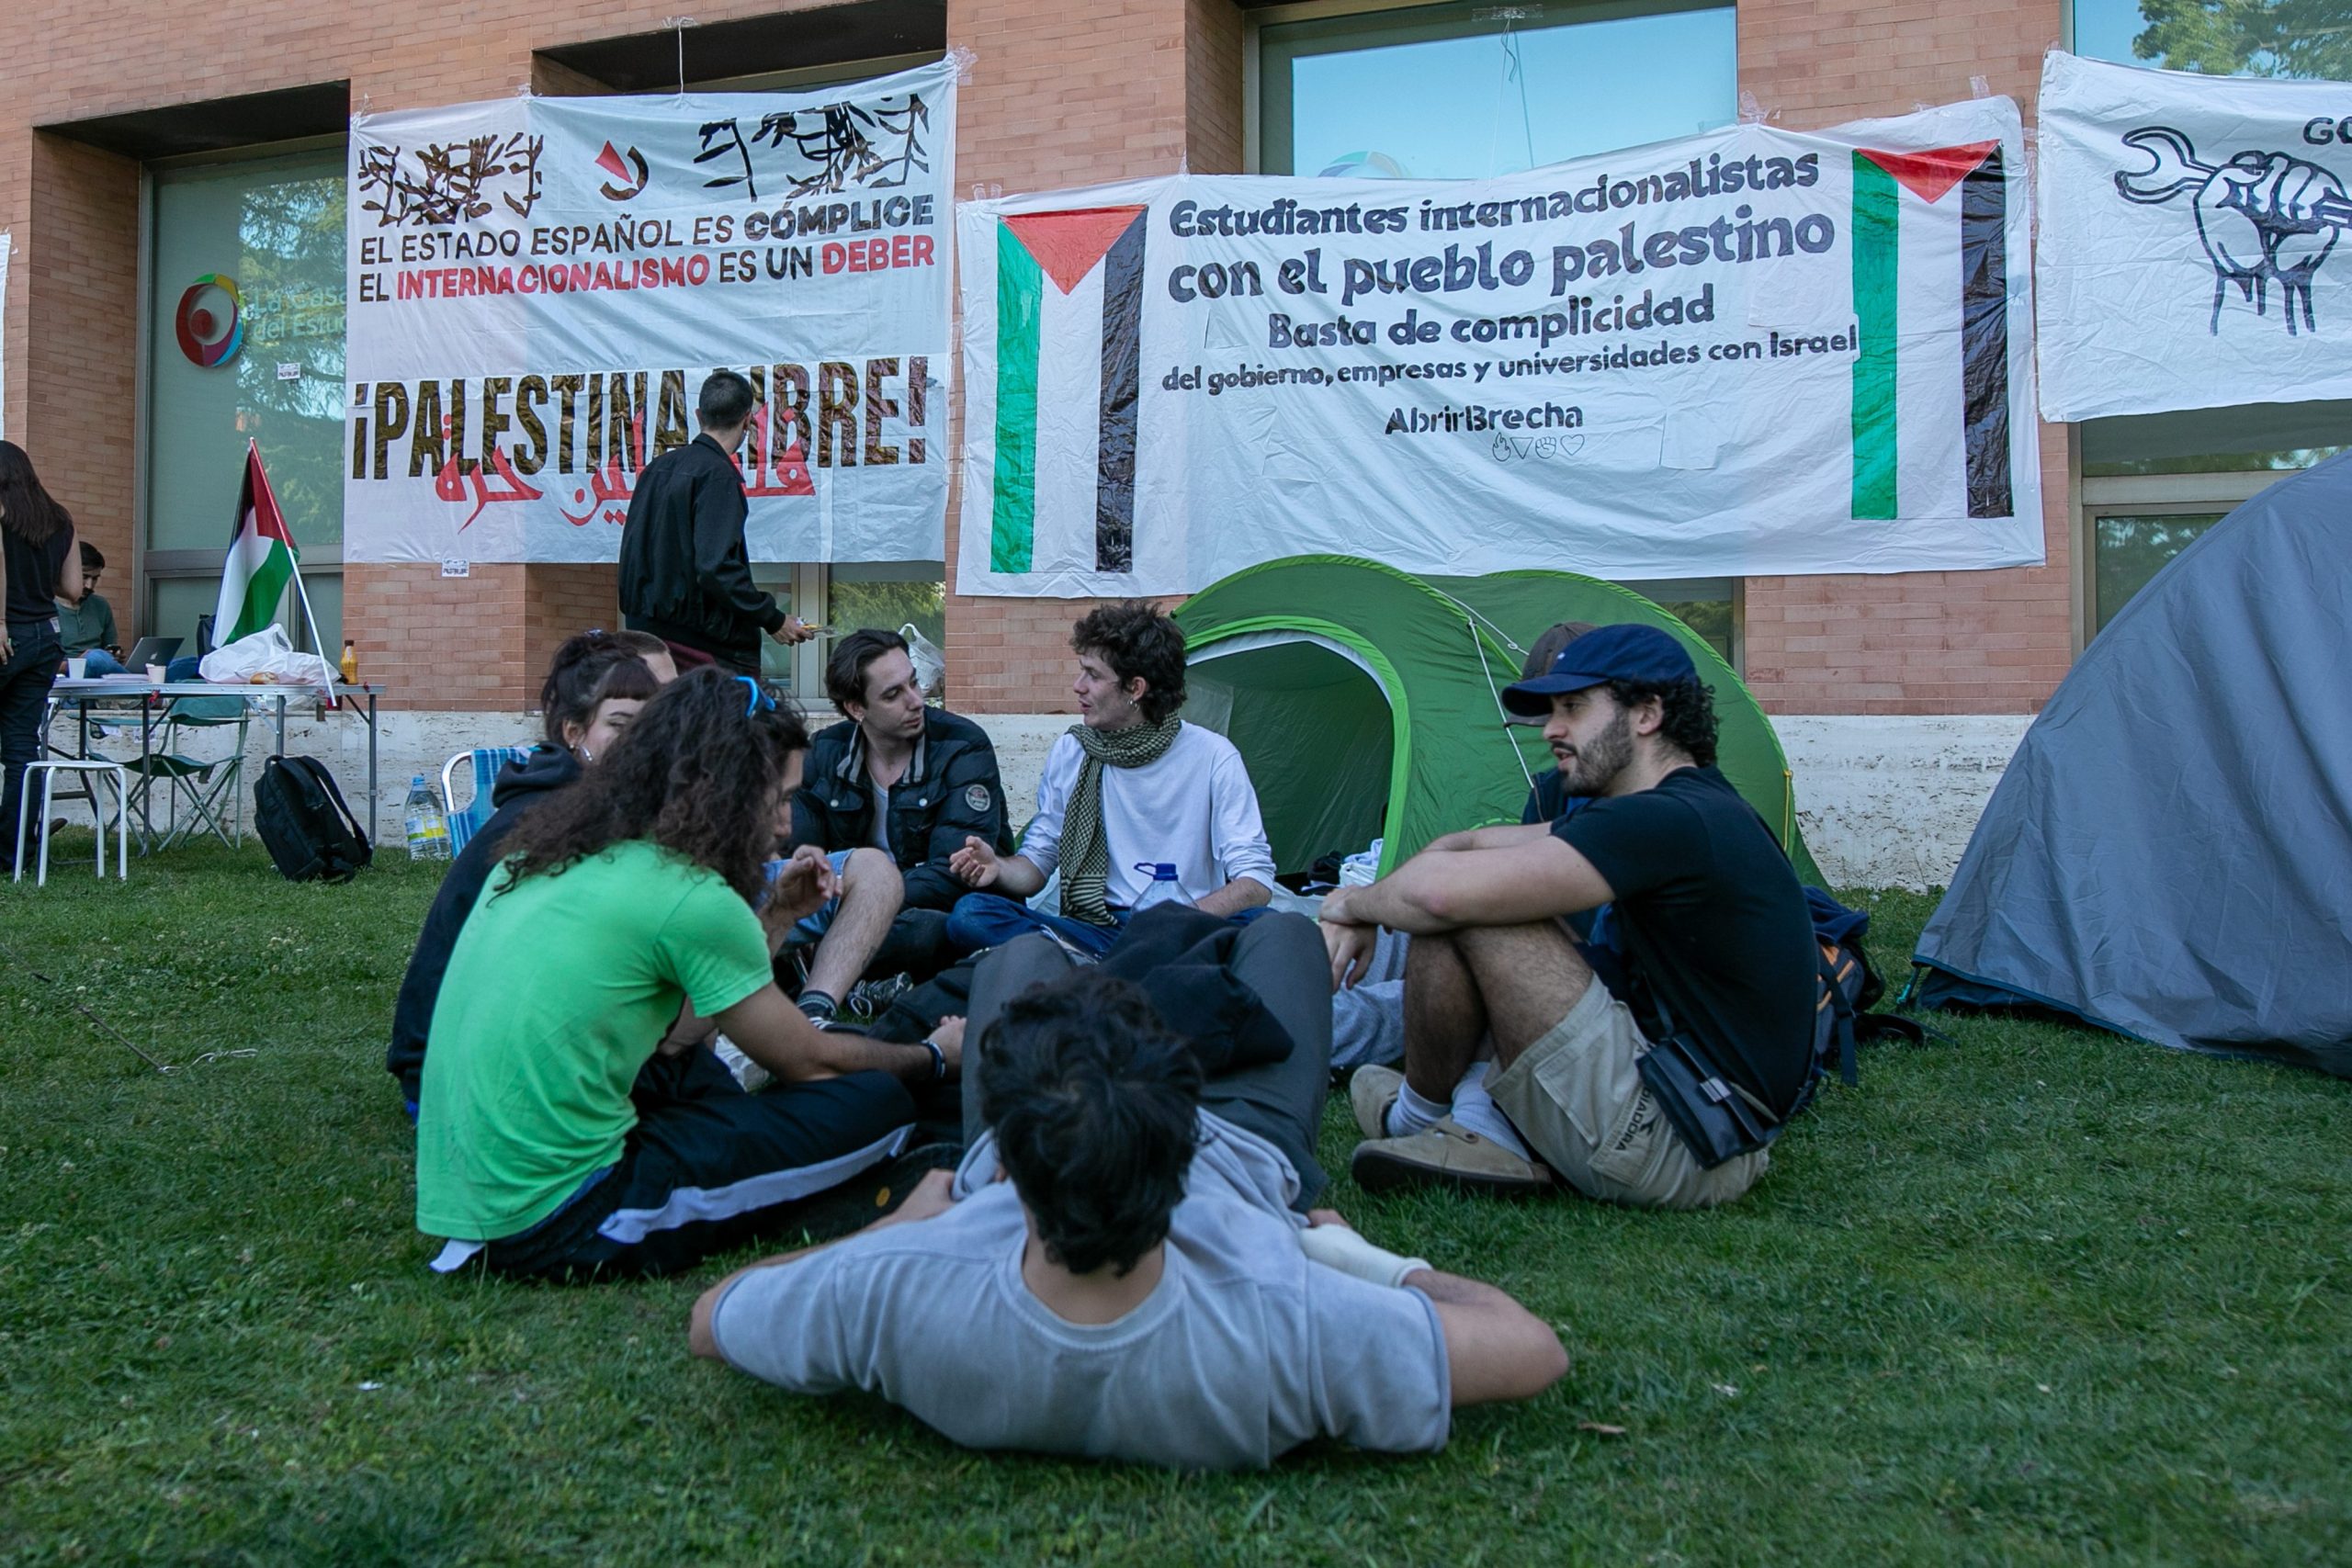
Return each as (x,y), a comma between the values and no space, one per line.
(902,777)
(685,576)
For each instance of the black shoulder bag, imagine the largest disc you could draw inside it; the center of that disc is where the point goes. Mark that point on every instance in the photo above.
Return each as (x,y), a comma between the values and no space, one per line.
(1715,1116)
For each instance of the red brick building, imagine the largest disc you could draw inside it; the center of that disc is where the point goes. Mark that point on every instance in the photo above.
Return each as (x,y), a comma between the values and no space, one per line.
(121,117)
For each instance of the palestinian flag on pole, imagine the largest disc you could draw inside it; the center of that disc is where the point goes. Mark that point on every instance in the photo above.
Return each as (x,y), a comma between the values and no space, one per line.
(1931,267)
(1067,362)
(261,559)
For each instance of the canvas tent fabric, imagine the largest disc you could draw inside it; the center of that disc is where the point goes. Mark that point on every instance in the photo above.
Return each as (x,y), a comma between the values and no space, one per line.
(1519,606)
(1364,700)
(2168,853)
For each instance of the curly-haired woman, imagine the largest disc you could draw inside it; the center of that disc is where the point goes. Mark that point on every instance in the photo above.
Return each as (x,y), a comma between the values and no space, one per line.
(625,913)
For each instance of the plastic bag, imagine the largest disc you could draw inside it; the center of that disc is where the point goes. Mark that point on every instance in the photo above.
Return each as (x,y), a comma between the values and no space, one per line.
(931,664)
(265,654)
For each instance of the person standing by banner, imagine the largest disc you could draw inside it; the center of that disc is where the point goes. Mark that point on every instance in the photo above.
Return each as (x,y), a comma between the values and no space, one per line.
(685,574)
(36,541)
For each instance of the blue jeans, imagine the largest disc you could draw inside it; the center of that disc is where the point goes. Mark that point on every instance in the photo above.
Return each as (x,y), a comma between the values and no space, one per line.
(99,661)
(989,919)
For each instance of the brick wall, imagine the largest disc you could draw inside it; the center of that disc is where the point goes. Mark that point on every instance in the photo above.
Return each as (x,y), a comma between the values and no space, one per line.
(1915,642)
(1061,95)
(73,384)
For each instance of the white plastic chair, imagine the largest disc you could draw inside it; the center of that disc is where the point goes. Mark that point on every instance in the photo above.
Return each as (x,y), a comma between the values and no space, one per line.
(90,769)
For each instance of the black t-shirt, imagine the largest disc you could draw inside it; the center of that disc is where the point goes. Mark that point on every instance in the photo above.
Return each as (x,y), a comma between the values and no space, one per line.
(1715,926)
(33,572)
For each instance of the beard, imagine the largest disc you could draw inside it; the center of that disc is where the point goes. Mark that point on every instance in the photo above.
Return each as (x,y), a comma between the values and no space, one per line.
(1595,765)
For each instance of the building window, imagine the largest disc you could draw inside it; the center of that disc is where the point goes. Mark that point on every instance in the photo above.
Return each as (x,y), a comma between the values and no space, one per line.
(1471,91)
(2249,37)
(273,228)
(1474,91)
(2152,484)
(888,595)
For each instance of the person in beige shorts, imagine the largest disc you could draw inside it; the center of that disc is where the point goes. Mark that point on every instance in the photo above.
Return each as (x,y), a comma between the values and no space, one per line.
(1520,1063)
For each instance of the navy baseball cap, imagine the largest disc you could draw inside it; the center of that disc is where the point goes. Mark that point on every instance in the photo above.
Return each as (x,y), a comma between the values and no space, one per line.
(1623,652)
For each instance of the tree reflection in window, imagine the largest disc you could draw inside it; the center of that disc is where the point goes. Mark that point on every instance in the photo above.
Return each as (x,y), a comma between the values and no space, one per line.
(292,275)
(2128,551)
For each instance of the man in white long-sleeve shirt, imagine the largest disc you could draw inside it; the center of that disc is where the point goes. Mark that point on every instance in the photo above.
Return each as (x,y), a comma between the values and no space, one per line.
(1130,788)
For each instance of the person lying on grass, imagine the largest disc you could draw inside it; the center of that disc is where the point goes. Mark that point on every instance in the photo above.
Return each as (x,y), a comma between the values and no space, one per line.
(1715,933)
(595,684)
(1114,1272)
(542,1145)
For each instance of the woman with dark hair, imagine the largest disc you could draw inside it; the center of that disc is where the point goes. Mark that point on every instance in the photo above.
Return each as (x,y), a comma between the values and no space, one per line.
(626,905)
(36,541)
(593,689)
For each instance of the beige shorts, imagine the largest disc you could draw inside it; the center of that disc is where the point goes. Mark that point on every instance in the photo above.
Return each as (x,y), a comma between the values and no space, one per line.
(1578,1098)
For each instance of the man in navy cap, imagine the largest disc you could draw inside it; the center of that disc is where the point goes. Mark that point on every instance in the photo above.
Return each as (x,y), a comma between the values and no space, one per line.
(1519,1062)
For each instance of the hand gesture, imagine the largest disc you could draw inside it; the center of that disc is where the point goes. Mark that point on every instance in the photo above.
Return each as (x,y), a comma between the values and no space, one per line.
(1349,944)
(806,885)
(794,630)
(975,863)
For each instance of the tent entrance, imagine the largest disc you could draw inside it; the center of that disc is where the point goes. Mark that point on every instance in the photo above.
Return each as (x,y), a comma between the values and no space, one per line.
(1314,723)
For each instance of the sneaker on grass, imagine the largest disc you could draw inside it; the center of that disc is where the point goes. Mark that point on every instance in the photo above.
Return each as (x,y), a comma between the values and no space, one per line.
(1445,1156)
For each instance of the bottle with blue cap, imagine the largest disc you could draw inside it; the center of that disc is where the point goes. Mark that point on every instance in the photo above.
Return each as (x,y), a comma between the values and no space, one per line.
(1162,888)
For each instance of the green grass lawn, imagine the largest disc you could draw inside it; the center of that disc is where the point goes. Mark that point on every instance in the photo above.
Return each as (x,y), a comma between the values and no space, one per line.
(2035,1295)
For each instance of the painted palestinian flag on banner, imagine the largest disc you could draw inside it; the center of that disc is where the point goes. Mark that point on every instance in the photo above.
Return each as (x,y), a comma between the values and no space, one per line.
(1929,242)
(1069,348)
(261,559)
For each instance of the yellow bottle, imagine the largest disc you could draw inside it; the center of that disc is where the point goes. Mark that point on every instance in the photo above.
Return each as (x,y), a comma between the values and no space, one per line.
(350,663)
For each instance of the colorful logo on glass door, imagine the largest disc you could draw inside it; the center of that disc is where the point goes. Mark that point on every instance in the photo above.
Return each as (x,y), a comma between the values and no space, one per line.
(211,322)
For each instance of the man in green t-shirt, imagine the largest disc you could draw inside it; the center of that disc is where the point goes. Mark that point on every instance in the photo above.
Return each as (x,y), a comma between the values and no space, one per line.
(87,628)
(571,1122)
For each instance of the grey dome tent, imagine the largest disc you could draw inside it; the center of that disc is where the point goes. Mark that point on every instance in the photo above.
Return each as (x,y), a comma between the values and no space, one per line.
(2170,853)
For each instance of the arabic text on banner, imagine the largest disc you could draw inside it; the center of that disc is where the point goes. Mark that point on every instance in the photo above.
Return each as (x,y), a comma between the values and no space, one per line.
(1746,352)
(538,286)
(2191,231)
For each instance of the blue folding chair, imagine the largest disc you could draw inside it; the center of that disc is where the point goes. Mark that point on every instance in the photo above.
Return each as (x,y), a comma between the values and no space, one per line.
(485,762)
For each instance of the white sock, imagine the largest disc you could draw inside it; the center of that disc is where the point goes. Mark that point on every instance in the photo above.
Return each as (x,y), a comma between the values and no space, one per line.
(1411,1114)
(1474,1111)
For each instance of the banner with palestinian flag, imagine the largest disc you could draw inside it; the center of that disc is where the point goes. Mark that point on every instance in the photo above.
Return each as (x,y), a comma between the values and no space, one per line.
(1751,351)
(261,559)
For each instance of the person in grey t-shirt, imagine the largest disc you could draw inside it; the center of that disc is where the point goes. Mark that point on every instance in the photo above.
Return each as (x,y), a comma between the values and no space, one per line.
(1138,1289)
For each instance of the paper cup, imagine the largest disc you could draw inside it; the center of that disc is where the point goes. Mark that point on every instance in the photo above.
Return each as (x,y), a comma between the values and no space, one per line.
(155,674)
(77,667)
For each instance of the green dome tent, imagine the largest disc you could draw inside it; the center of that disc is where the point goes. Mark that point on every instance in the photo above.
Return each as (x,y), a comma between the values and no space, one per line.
(1364,700)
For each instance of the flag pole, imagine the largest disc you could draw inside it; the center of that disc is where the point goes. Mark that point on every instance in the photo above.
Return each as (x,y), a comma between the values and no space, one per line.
(302,593)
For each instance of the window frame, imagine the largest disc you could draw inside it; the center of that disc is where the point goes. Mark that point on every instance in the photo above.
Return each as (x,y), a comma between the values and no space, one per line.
(151,566)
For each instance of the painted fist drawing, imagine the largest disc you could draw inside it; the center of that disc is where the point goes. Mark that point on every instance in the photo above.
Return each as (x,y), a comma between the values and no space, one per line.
(2264,218)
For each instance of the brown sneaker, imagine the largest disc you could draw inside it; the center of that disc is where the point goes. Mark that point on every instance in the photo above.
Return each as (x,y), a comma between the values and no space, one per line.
(1447,1155)
(1372,1091)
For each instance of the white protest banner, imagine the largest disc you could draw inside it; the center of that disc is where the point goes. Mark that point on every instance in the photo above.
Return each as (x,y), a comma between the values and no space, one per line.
(2187,223)
(1747,351)
(538,286)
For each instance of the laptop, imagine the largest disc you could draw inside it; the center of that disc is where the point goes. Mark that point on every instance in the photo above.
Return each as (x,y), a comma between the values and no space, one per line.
(150,650)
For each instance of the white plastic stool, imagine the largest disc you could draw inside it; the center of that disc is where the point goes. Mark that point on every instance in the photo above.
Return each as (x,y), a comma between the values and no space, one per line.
(49,769)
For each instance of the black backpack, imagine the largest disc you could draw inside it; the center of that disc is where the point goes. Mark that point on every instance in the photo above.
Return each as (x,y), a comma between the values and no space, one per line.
(304,824)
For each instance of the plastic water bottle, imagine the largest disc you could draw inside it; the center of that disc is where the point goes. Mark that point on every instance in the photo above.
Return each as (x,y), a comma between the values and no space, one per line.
(1163,889)
(428,825)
